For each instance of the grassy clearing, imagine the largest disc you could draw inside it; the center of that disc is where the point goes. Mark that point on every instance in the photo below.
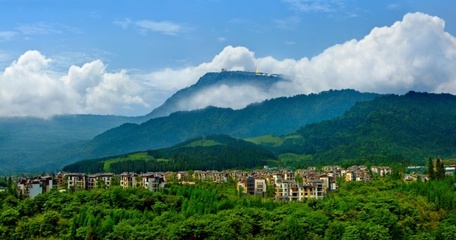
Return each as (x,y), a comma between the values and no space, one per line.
(292,159)
(203,143)
(266,140)
(131,157)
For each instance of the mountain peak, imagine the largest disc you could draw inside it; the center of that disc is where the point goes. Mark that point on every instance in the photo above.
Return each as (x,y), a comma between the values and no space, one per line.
(180,101)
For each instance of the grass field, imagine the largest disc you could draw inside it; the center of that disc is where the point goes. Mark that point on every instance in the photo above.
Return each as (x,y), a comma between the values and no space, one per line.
(133,156)
(203,143)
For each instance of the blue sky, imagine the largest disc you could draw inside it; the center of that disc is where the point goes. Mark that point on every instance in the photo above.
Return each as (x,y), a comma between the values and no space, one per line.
(146,50)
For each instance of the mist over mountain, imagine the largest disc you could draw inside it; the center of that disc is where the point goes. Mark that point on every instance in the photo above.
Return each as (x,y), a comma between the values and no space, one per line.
(217,88)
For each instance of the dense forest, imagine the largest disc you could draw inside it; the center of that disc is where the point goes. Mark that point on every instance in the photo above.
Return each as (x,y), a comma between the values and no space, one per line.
(408,129)
(276,116)
(390,129)
(386,208)
(214,152)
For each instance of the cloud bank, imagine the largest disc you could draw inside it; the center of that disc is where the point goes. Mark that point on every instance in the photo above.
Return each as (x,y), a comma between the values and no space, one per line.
(413,54)
(29,88)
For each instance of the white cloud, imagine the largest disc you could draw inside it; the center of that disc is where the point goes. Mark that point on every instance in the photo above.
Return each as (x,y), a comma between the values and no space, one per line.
(231,58)
(235,97)
(413,54)
(164,27)
(7,35)
(38,28)
(287,23)
(124,23)
(145,26)
(29,88)
(394,6)
(315,5)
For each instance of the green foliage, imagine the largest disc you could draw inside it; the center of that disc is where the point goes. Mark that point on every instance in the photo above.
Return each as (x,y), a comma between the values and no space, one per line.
(215,152)
(203,143)
(266,140)
(431,170)
(276,116)
(385,208)
(296,160)
(28,143)
(388,129)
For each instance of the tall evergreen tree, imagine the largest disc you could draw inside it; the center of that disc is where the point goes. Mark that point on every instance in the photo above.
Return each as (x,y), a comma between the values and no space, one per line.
(439,169)
(454,171)
(442,171)
(431,171)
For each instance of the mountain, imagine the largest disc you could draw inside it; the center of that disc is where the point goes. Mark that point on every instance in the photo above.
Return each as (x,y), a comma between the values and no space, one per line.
(277,116)
(23,139)
(181,99)
(391,128)
(215,152)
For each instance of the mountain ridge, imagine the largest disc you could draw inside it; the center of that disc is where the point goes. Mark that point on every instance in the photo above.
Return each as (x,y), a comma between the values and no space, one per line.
(278,116)
(213,79)
(22,139)
(406,128)
(212,152)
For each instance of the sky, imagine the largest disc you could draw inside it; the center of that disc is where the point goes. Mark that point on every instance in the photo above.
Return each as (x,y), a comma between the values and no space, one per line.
(128,57)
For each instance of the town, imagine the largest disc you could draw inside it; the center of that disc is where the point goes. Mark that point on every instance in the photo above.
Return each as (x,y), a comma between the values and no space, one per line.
(282,184)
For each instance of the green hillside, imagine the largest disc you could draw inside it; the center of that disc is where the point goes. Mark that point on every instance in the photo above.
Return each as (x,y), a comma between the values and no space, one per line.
(276,116)
(24,139)
(215,152)
(408,128)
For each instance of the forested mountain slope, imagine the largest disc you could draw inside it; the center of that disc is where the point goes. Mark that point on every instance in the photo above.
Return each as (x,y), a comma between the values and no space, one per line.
(276,116)
(23,139)
(215,152)
(411,127)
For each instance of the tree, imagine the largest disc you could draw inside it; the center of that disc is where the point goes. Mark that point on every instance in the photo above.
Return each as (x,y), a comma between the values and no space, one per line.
(454,172)
(431,171)
(440,170)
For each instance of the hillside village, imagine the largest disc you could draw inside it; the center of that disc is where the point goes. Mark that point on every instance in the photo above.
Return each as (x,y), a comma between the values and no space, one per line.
(283,185)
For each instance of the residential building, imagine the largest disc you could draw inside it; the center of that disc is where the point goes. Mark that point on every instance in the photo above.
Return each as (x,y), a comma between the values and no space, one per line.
(31,187)
(129,179)
(99,180)
(381,171)
(252,186)
(76,181)
(152,181)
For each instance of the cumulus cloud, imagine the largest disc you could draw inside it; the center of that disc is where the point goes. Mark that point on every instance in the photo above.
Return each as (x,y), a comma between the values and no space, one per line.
(413,54)
(29,88)
(231,58)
